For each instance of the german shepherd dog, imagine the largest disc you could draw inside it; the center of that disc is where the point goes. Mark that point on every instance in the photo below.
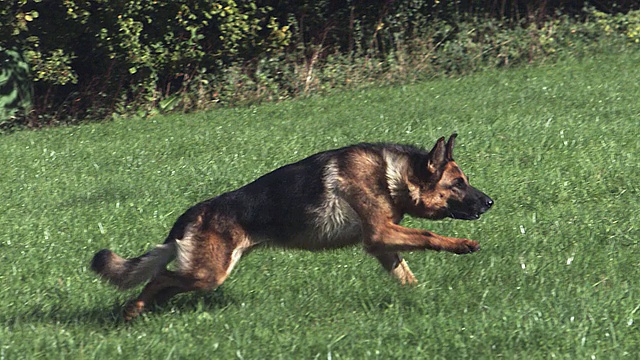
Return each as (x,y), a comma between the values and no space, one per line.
(356,194)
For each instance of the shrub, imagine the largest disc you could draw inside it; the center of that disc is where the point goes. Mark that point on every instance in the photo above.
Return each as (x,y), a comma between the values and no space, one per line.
(16,92)
(98,59)
(623,23)
(121,54)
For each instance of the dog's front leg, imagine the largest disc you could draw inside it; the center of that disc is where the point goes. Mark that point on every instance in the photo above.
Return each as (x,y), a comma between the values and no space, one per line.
(393,238)
(397,267)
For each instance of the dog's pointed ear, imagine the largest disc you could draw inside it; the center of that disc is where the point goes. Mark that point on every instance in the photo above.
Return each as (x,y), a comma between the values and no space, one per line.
(437,156)
(450,143)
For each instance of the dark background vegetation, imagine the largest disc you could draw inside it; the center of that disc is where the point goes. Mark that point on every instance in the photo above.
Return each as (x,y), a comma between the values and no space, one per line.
(102,59)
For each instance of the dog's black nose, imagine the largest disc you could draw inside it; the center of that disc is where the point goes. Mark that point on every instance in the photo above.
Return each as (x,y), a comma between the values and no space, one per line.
(489,203)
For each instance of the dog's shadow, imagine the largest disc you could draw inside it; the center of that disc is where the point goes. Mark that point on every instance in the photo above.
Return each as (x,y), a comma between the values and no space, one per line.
(198,301)
(112,315)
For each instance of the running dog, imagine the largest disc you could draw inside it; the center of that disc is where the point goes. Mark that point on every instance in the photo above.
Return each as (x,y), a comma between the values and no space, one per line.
(353,195)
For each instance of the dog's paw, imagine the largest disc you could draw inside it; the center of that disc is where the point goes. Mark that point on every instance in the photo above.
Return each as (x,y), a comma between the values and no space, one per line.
(133,309)
(467,246)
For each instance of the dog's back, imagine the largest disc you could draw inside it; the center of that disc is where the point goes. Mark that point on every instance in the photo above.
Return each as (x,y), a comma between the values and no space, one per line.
(307,204)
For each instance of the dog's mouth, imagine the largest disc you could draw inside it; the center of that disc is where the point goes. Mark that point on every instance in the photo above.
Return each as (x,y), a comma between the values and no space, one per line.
(465,216)
(473,215)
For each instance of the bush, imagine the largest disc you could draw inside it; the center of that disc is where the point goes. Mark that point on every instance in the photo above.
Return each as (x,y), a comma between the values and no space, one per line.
(627,24)
(98,59)
(117,55)
(16,92)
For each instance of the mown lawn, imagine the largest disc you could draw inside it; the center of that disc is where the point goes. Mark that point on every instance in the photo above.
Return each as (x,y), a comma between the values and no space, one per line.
(558,275)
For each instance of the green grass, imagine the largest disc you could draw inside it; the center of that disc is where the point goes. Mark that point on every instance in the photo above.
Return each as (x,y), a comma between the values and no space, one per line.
(556,147)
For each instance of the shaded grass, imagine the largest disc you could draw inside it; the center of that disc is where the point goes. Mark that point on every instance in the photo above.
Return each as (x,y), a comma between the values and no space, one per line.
(555,146)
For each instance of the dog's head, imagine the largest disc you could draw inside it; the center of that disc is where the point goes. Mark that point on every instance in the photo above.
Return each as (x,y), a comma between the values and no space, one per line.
(440,189)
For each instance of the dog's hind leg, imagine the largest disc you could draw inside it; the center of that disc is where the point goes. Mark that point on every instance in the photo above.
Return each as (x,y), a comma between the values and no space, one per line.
(160,289)
(204,263)
(397,267)
(170,283)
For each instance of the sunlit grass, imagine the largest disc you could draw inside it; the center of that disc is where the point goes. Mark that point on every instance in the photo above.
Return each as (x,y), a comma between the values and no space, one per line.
(556,147)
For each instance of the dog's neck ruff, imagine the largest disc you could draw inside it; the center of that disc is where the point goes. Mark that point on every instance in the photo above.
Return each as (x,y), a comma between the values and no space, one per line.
(397,167)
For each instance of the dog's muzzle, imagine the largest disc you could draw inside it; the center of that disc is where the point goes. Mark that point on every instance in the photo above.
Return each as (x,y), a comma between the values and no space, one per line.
(472,212)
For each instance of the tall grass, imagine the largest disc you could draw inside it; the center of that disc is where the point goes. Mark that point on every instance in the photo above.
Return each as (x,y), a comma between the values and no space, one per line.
(556,147)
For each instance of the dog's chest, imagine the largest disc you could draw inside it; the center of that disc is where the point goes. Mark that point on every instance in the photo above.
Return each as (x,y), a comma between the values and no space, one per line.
(336,223)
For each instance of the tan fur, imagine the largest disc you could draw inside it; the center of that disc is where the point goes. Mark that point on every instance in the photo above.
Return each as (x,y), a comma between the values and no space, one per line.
(396,173)
(186,247)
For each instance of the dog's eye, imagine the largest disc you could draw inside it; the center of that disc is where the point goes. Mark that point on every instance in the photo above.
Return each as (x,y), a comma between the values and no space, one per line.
(459,183)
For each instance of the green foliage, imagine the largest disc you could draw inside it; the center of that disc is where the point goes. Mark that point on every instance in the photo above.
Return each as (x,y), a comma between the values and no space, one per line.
(50,60)
(53,67)
(99,59)
(627,24)
(162,37)
(134,53)
(16,91)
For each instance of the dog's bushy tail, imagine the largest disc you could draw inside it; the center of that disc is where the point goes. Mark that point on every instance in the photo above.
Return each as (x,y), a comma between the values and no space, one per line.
(127,273)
